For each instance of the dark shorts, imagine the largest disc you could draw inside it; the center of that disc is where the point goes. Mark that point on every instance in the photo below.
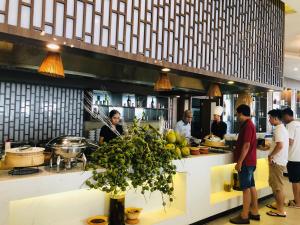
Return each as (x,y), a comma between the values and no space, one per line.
(246,177)
(293,169)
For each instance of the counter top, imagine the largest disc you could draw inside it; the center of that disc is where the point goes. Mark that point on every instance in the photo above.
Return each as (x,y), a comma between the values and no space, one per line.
(47,171)
(218,159)
(44,171)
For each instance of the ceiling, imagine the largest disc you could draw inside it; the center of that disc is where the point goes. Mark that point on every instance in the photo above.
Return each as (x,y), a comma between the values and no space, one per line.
(292,41)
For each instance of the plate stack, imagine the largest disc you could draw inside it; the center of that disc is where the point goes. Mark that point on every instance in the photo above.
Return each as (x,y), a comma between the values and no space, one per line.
(92,135)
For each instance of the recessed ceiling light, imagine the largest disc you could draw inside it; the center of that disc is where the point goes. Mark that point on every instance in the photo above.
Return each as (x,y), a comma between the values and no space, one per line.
(230,82)
(53,46)
(165,70)
(42,33)
(296,69)
(72,46)
(177,96)
(54,39)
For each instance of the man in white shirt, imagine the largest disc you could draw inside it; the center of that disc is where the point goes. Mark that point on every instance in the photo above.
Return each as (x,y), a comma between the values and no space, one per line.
(184,126)
(293,165)
(277,162)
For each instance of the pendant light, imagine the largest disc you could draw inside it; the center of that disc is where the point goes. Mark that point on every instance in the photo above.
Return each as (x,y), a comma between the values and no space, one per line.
(6,46)
(163,83)
(244,98)
(52,64)
(214,91)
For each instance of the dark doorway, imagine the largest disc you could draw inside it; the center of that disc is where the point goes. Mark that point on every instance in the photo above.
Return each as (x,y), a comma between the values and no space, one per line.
(202,116)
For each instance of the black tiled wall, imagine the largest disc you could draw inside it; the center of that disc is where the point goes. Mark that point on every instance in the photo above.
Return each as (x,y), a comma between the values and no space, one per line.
(37,112)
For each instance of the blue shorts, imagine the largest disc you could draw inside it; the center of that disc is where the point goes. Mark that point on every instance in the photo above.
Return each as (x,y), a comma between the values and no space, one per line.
(246,177)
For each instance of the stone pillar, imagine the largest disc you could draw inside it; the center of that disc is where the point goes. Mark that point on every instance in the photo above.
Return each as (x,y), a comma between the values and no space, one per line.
(269,107)
(293,100)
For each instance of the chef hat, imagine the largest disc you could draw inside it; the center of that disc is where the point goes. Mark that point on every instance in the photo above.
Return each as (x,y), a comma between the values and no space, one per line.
(218,110)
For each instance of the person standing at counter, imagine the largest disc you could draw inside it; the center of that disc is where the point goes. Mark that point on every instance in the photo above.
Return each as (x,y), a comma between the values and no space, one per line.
(107,133)
(277,162)
(245,158)
(218,127)
(184,126)
(293,165)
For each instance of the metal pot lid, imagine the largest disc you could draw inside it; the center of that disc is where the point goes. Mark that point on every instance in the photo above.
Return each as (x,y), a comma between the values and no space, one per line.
(68,141)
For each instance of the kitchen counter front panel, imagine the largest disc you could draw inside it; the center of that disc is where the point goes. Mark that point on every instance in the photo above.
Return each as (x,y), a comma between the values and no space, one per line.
(51,198)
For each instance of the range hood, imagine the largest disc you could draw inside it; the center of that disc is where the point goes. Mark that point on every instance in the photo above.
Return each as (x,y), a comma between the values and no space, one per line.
(94,66)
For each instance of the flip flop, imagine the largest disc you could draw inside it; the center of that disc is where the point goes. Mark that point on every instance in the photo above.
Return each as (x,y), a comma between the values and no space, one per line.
(275,214)
(271,206)
(292,204)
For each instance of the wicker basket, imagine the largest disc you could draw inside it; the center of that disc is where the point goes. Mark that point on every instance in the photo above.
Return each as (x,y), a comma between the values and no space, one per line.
(24,159)
(214,143)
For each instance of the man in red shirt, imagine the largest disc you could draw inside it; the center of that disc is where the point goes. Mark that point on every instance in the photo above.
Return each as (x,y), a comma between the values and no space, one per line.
(245,158)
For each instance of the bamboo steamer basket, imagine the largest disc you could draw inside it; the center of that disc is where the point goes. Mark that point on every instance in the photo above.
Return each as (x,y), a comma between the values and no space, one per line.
(16,157)
(214,143)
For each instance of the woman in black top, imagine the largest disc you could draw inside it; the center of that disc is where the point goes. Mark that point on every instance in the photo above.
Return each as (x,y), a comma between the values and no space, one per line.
(106,133)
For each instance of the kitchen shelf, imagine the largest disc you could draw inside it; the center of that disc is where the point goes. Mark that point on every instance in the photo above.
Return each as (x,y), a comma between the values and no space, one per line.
(259,106)
(129,111)
(126,107)
(108,106)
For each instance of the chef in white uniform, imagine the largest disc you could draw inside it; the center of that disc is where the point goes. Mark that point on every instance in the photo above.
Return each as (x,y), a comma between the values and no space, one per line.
(218,127)
(184,126)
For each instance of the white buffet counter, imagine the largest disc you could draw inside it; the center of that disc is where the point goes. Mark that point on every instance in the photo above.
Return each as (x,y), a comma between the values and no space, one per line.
(51,198)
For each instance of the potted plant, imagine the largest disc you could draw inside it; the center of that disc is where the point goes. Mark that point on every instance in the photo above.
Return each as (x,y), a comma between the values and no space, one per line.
(137,159)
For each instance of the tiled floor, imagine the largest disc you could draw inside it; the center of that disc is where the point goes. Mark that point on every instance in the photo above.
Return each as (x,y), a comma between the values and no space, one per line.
(293,215)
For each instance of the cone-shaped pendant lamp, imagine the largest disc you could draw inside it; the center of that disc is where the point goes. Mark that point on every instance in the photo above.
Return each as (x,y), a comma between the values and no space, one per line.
(163,83)
(244,98)
(52,65)
(214,91)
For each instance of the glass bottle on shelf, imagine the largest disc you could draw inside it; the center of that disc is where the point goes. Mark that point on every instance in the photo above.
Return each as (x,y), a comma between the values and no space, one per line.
(158,105)
(95,109)
(128,101)
(143,116)
(105,101)
(97,103)
(152,104)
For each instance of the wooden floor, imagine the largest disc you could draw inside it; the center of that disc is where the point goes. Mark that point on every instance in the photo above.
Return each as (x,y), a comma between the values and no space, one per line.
(293,215)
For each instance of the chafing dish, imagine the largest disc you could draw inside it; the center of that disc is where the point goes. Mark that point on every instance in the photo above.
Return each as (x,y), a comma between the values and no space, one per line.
(68,149)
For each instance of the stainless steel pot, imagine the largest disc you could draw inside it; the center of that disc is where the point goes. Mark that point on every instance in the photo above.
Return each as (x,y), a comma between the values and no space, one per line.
(68,147)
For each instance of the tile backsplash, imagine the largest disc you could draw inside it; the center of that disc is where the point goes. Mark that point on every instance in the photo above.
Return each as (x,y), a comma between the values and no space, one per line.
(38,112)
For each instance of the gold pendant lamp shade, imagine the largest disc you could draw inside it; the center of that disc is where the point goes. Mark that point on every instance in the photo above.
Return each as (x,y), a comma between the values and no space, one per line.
(214,91)
(244,99)
(163,83)
(52,65)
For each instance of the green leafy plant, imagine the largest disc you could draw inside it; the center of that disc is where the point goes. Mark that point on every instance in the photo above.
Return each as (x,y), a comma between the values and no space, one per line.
(138,159)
